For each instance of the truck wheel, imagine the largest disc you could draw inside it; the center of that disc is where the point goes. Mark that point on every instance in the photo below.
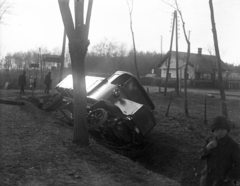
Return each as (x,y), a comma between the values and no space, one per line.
(96,118)
(53,102)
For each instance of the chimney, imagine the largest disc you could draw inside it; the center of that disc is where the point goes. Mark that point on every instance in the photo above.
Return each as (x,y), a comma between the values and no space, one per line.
(200,51)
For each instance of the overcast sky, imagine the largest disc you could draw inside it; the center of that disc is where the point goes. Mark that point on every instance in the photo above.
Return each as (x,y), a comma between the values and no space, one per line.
(37,23)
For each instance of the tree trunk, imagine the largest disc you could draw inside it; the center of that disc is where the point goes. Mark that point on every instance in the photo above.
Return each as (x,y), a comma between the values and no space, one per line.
(133,39)
(220,81)
(135,54)
(78,45)
(78,51)
(186,67)
(62,56)
(185,82)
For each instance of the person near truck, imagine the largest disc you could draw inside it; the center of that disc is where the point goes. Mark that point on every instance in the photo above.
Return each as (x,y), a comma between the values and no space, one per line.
(22,82)
(32,86)
(222,156)
(47,81)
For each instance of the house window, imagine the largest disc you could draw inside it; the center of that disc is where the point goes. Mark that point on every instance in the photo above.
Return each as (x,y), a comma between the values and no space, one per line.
(169,75)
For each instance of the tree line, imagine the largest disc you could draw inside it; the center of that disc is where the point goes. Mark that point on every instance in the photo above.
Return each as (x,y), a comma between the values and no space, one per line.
(109,64)
(96,62)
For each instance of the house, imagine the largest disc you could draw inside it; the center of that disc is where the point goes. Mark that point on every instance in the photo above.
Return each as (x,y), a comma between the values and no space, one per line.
(233,80)
(202,68)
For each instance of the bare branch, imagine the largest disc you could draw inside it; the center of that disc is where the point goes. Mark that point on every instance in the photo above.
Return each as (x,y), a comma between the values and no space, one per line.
(130,8)
(67,19)
(176,7)
(169,4)
(133,39)
(183,23)
(4,8)
(2,4)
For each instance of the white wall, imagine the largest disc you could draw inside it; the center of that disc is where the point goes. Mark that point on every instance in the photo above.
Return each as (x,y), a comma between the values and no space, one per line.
(172,69)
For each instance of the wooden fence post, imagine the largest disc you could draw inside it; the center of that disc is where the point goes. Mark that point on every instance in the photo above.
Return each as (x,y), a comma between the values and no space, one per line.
(169,103)
(205,110)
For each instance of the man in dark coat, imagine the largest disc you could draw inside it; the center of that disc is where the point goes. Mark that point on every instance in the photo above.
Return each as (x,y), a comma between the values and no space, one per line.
(48,81)
(22,82)
(222,154)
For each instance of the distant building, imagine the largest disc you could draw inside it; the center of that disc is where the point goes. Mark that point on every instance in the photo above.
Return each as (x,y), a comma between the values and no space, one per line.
(202,69)
(233,80)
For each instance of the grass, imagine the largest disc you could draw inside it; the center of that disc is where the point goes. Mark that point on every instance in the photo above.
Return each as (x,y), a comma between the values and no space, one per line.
(37,151)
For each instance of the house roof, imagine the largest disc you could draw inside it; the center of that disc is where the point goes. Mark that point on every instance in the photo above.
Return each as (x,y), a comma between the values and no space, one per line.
(202,63)
(234,76)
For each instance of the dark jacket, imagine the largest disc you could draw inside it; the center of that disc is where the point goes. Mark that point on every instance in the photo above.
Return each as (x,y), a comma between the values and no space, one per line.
(22,80)
(48,79)
(223,161)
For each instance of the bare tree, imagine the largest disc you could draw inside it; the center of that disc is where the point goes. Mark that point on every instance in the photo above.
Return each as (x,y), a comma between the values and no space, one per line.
(130,8)
(78,45)
(4,9)
(1,62)
(107,47)
(18,59)
(8,61)
(220,81)
(186,66)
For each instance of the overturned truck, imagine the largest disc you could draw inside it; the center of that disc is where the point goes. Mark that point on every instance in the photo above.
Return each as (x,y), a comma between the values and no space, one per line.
(119,109)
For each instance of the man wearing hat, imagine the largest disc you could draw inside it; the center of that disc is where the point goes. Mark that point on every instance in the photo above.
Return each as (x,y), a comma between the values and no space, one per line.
(222,155)
(22,82)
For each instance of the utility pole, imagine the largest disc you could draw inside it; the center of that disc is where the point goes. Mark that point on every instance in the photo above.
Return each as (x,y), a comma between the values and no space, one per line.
(170,54)
(177,83)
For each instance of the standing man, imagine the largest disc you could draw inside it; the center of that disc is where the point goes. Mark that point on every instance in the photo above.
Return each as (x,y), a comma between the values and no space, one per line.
(48,81)
(22,82)
(35,83)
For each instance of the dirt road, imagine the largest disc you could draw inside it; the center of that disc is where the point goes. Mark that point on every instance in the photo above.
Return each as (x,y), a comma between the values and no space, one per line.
(234,93)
